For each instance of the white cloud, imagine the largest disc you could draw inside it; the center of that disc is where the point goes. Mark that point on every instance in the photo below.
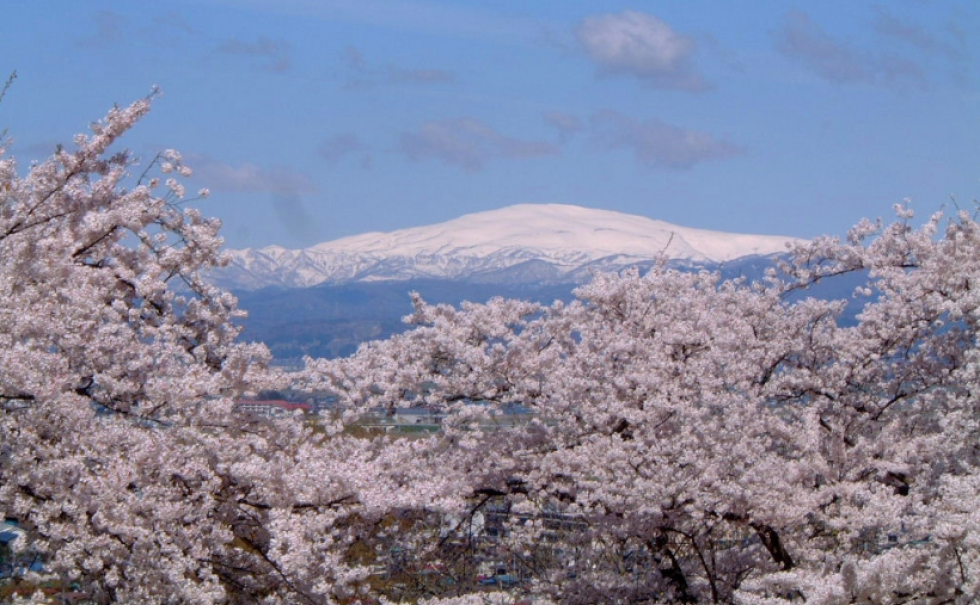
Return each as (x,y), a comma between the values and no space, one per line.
(421,16)
(284,186)
(640,45)
(804,41)
(175,21)
(565,123)
(247,177)
(109,31)
(362,75)
(468,143)
(912,34)
(336,147)
(270,55)
(294,217)
(397,75)
(354,59)
(657,144)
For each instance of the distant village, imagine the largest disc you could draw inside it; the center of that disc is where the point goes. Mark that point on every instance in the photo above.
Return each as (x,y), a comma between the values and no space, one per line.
(473,548)
(401,420)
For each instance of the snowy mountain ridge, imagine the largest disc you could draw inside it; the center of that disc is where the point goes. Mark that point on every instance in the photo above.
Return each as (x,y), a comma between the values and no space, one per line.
(526,242)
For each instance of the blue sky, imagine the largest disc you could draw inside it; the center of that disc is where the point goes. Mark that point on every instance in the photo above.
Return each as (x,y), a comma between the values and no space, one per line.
(314,119)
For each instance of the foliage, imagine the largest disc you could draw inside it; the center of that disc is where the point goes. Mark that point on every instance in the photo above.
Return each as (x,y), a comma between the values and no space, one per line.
(706,440)
(120,455)
(690,438)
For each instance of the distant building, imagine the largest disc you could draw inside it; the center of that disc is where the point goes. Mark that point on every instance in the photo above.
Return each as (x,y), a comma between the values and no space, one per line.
(416,416)
(271,408)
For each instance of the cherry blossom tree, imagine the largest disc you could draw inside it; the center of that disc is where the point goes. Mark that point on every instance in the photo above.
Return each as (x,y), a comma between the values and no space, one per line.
(119,452)
(689,439)
(701,440)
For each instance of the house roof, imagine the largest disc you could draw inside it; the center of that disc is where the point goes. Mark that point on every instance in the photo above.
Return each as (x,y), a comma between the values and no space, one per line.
(276,403)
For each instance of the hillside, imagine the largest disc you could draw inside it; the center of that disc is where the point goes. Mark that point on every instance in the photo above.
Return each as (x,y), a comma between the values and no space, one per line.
(527,243)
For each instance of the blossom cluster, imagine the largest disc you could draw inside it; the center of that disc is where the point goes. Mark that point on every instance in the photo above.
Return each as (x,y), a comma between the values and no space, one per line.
(685,438)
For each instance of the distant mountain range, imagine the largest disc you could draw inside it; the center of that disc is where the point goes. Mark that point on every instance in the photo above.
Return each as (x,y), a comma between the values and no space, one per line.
(522,244)
(325,300)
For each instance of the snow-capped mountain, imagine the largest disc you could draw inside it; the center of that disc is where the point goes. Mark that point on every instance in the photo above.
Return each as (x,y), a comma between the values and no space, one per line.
(523,243)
